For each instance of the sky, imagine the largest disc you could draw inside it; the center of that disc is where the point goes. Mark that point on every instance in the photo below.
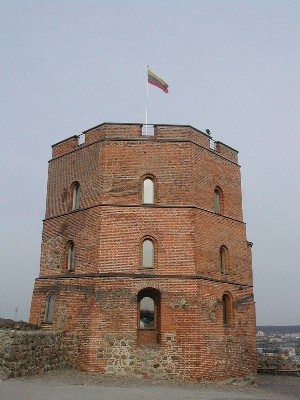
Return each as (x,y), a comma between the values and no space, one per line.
(232,67)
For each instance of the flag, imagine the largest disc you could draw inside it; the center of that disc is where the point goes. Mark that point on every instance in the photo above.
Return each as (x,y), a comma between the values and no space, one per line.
(156,81)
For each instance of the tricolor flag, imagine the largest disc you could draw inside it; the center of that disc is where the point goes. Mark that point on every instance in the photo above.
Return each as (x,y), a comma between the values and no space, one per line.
(156,81)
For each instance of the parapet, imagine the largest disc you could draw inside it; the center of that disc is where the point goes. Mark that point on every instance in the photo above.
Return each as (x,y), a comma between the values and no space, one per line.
(65,146)
(183,132)
(115,131)
(226,151)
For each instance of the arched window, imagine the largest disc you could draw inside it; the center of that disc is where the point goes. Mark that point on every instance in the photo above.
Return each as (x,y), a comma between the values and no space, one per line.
(147,313)
(227,309)
(149,316)
(75,189)
(71,256)
(218,201)
(148,254)
(49,309)
(223,259)
(148,191)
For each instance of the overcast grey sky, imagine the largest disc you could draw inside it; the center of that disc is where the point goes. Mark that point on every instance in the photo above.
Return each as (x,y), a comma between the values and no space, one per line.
(231,66)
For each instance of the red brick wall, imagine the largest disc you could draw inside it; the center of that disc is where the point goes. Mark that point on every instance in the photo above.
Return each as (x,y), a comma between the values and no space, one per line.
(100,308)
(108,231)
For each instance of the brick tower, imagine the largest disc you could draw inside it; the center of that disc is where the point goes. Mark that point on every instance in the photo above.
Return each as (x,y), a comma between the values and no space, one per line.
(144,254)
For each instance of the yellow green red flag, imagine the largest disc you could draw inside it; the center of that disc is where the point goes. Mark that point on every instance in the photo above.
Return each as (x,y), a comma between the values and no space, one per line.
(156,81)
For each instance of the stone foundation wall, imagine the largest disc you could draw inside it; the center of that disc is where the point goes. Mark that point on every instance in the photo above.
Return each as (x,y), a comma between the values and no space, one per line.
(147,361)
(28,352)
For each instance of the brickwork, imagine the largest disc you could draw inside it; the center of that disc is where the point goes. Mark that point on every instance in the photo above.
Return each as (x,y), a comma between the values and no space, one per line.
(98,301)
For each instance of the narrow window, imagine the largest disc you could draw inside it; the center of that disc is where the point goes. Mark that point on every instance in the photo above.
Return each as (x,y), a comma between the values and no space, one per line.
(227,309)
(149,316)
(148,191)
(76,196)
(218,200)
(223,259)
(148,253)
(71,256)
(49,310)
(147,313)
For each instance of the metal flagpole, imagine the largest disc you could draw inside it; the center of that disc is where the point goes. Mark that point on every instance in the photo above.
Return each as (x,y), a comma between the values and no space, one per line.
(147,101)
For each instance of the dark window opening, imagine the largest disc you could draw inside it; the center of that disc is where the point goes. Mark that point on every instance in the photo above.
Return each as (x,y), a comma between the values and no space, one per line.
(218,201)
(75,196)
(147,313)
(227,310)
(71,256)
(49,310)
(223,259)
(149,316)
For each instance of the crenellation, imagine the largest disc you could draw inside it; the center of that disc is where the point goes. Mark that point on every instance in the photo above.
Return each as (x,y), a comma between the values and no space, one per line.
(135,132)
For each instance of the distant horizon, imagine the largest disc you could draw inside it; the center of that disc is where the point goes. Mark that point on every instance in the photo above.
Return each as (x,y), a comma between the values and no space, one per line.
(274,326)
(265,326)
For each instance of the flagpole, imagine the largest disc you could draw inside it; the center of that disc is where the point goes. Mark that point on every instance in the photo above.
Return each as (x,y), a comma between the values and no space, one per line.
(147,99)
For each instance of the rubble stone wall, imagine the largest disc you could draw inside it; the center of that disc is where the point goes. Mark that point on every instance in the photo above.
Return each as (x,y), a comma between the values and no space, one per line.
(277,362)
(28,352)
(17,325)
